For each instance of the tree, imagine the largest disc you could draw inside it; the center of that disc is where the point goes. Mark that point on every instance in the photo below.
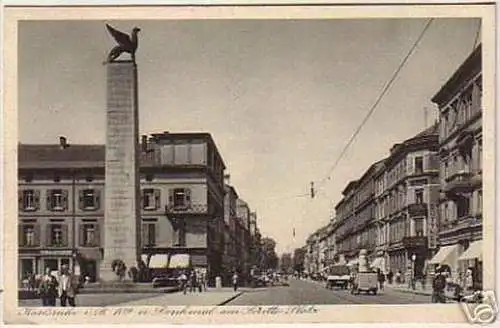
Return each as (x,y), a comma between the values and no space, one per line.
(286,263)
(269,256)
(298,259)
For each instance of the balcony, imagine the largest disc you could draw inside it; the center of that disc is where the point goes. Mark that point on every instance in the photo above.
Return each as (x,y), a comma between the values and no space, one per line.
(417,209)
(415,242)
(458,183)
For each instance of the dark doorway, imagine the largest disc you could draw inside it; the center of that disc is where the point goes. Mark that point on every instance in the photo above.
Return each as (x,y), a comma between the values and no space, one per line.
(90,270)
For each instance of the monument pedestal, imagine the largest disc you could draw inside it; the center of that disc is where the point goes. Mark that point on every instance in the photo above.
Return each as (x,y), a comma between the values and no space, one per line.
(122,215)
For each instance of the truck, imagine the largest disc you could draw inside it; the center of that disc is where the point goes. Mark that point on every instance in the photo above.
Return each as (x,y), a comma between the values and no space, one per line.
(338,275)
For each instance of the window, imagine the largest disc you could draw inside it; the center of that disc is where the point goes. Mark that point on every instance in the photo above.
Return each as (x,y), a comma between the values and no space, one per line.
(57,200)
(150,199)
(180,198)
(57,235)
(462,207)
(89,234)
(479,201)
(480,156)
(27,235)
(148,234)
(419,196)
(89,199)
(419,227)
(419,164)
(29,200)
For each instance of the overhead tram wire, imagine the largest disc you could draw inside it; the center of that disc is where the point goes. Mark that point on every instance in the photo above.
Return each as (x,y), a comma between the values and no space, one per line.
(379,99)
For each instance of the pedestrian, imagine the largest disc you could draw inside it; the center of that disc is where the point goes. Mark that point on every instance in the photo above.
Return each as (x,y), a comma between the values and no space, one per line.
(192,282)
(48,288)
(390,276)
(67,287)
(235,281)
(438,286)
(398,277)
(203,276)
(182,279)
(381,279)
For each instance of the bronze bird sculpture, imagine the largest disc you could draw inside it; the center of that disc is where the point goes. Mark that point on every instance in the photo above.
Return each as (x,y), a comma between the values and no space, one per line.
(125,42)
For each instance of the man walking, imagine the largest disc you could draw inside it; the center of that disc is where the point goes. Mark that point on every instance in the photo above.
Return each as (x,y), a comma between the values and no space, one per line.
(235,281)
(67,288)
(48,289)
(438,286)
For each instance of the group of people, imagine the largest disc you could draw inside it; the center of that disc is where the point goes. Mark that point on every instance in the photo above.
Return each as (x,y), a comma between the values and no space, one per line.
(192,280)
(62,286)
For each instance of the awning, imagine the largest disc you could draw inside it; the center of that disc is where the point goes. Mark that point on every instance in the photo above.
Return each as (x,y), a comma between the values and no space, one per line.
(475,251)
(158,261)
(446,255)
(179,261)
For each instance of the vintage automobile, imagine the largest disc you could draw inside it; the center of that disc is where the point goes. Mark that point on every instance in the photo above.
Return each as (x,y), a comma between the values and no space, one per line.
(338,275)
(366,282)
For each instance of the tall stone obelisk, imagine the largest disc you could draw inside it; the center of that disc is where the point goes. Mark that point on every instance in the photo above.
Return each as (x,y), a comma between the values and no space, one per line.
(122,219)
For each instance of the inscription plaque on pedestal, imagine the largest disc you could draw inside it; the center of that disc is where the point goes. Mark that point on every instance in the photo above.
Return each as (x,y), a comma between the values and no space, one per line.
(122,214)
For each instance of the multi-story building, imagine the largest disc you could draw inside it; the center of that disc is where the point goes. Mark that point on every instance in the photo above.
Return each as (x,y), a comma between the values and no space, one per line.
(390,210)
(61,210)
(460,149)
(230,225)
(407,193)
(243,222)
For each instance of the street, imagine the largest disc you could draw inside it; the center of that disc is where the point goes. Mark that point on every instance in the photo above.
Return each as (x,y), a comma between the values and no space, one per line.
(299,292)
(310,292)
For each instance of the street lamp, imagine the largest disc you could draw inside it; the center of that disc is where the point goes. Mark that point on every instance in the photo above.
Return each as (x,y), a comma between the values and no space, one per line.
(413,258)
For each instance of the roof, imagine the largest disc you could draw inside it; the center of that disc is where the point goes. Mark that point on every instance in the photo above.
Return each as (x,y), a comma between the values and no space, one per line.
(469,68)
(89,156)
(350,185)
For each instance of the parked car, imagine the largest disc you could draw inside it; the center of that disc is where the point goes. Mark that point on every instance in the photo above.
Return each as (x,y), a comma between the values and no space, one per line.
(338,276)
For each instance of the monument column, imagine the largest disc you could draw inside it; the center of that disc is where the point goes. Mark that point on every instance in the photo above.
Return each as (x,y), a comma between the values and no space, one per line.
(122,219)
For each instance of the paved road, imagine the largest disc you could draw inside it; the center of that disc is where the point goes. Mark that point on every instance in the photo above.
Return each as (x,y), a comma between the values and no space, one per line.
(308,292)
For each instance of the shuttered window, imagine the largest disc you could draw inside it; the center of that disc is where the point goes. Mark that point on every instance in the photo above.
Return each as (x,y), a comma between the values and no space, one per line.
(89,235)
(148,234)
(89,199)
(57,200)
(29,200)
(29,235)
(57,235)
(151,199)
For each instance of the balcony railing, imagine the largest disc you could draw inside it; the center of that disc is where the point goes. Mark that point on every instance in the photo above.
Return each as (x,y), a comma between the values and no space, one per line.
(417,209)
(459,182)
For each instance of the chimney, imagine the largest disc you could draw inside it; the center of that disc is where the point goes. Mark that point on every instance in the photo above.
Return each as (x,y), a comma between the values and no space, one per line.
(63,142)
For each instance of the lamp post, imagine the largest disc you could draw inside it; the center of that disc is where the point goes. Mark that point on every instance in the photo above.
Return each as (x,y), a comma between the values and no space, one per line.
(413,258)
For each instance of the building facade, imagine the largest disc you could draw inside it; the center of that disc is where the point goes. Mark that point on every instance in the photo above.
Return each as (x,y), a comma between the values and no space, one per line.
(407,196)
(61,212)
(460,150)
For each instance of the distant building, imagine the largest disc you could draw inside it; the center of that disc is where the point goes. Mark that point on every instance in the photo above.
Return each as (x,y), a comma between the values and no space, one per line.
(461,151)
(61,210)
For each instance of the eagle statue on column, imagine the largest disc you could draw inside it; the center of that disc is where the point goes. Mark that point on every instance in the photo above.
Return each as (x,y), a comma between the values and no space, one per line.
(125,42)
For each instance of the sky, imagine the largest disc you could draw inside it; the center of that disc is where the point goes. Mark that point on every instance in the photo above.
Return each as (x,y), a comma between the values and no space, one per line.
(281,98)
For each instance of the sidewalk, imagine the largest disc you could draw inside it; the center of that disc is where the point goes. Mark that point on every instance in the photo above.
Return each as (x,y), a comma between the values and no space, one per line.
(212,297)
(418,290)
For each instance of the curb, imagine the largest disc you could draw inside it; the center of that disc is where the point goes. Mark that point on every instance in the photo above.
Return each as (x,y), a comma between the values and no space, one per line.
(230,299)
(417,292)
(129,291)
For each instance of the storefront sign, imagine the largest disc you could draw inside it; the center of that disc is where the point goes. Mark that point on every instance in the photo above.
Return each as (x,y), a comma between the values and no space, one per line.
(56,252)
